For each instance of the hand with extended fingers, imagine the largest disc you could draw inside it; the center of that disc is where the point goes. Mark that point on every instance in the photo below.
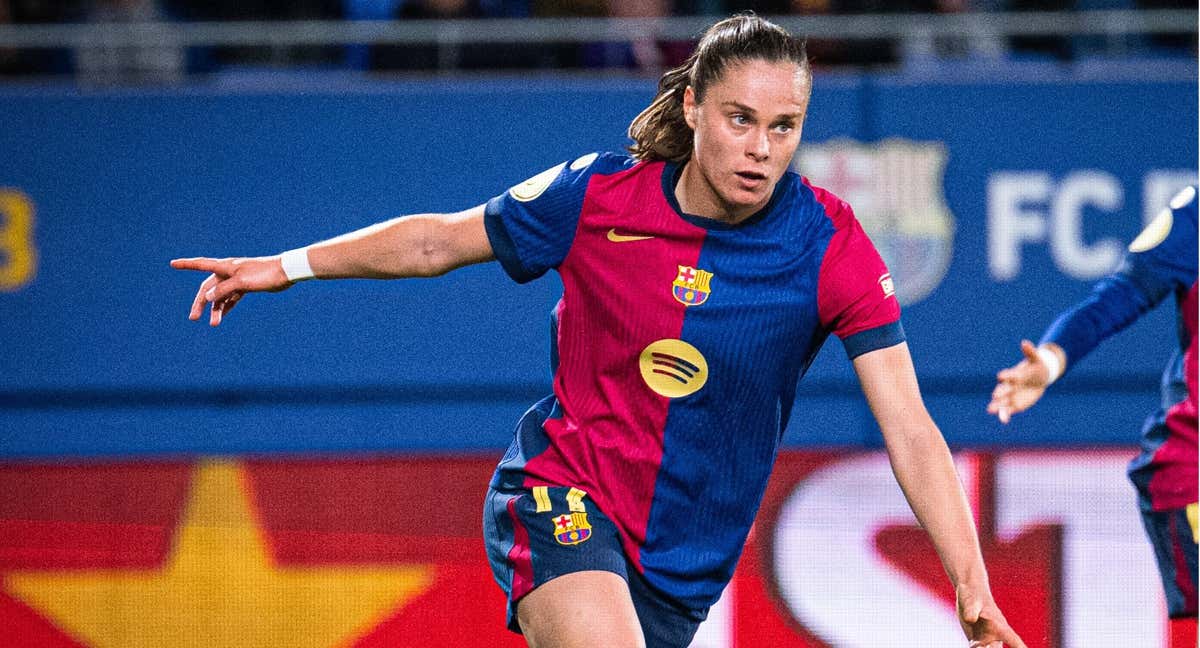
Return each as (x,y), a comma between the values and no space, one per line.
(232,278)
(1021,385)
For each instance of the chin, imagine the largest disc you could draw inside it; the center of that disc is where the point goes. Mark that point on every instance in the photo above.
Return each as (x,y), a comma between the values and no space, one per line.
(741,199)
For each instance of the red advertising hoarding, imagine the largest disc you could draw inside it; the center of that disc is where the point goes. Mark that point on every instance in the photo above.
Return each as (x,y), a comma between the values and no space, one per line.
(387,551)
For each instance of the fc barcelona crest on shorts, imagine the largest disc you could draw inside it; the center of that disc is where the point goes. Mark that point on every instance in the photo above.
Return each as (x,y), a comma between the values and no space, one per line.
(692,286)
(572,529)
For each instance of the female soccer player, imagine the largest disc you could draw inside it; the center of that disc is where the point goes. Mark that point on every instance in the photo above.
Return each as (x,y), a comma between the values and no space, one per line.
(1161,262)
(700,278)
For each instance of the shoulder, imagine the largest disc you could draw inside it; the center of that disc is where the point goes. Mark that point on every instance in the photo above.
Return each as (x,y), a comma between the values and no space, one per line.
(826,204)
(1183,207)
(618,173)
(847,244)
(1173,227)
(602,163)
(568,178)
(814,215)
(609,177)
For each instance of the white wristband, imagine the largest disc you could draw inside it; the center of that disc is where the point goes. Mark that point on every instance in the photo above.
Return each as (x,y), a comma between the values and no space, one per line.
(1054,367)
(295,264)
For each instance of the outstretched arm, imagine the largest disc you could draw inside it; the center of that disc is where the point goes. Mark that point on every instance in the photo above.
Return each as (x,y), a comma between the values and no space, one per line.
(925,471)
(423,245)
(1160,261)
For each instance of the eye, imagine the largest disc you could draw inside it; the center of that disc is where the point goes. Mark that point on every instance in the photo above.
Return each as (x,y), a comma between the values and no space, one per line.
(783,128)
(739,119)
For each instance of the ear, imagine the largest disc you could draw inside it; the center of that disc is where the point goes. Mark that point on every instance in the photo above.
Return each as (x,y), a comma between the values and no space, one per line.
(689,107)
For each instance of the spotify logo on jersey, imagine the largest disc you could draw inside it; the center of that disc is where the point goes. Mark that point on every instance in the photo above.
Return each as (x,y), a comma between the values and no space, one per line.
(673,368)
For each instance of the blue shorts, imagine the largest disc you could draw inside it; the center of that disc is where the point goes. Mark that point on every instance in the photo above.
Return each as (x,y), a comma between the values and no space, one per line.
(537,534)
(1172,534)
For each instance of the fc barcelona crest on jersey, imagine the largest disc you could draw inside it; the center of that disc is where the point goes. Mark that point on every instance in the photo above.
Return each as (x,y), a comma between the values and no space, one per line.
(692,286)
(571,529)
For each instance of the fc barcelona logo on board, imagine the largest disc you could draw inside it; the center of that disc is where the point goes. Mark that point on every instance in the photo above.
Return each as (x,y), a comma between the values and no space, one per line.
(572,529)
(692,286)
(896,190)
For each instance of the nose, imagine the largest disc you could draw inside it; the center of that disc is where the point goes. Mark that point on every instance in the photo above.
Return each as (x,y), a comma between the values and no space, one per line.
(759,145)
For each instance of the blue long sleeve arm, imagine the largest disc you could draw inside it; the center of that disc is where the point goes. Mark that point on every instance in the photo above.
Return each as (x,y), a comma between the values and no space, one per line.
(1116,301)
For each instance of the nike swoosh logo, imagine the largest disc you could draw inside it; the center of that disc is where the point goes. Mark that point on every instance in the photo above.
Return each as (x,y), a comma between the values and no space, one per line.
(624,238)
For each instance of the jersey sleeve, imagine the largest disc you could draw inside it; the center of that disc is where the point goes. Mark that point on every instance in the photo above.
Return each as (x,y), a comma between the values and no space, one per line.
(1160,261)
(532,225)
(1163,258)
(856,298)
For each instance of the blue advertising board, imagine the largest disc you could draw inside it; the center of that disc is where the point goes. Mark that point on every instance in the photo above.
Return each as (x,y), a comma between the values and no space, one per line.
(995,202)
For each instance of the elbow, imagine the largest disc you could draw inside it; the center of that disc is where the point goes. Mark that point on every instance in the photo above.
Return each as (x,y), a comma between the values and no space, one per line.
(428,254)
(432,262)
(914,427)
(916,440)
(430,245)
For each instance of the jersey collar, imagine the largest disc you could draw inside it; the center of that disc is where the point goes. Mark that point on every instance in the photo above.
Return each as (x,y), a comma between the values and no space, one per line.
(671,173)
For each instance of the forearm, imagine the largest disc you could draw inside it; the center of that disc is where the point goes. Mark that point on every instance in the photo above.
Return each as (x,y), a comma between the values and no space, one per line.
(921,462)
(925,471)
(421,245)
(1115,302)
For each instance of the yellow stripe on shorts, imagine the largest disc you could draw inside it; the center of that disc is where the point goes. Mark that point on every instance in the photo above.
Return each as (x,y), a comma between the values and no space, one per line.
(1191,514)
(542,497)
(575,500)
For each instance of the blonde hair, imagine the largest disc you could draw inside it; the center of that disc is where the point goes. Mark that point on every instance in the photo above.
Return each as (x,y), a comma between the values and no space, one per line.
(660,132)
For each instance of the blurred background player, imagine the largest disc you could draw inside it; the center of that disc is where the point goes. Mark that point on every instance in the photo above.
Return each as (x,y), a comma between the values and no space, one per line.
(1161,262)
(622,505)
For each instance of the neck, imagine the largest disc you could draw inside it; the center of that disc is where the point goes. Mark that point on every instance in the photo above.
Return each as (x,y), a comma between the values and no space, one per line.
(696,195)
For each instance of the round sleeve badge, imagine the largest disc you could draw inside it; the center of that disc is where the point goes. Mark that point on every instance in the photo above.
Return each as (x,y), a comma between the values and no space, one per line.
(1159,228)
(535,186)
(1156,232)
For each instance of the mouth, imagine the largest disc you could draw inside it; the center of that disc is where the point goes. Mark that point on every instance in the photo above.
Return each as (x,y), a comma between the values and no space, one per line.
(751,179)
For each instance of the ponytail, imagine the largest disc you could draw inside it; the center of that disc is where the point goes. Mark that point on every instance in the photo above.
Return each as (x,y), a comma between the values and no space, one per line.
(660,132)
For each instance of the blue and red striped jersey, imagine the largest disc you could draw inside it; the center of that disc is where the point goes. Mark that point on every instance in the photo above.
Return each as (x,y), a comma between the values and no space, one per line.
(678,344)
(1162,261)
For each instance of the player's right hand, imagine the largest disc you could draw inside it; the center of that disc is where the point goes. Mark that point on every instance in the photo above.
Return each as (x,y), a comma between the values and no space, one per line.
(1019,386)
(231,279)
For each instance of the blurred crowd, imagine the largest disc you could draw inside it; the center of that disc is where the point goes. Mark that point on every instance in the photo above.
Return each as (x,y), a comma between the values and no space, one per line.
(123,63)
